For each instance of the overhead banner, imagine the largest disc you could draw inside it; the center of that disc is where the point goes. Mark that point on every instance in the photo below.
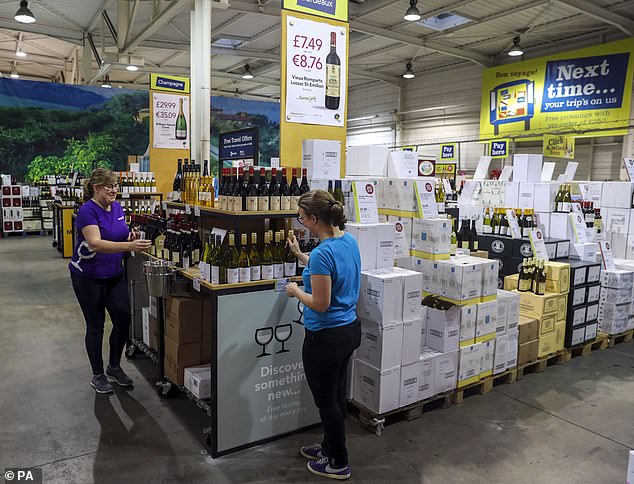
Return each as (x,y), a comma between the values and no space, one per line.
(582,90)
(559,146)
(163,82)
(333,9)
(449,152)
(316,73)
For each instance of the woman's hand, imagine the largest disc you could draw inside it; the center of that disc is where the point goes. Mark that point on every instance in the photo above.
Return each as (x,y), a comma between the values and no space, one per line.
(135,234)
(291,289)
(293,245)
(140,245)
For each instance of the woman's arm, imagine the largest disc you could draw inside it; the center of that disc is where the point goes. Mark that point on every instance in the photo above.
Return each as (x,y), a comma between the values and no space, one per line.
(92,235)
(293,245)
(319,300)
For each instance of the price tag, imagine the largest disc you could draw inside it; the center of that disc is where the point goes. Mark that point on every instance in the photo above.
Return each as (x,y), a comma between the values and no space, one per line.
(483,168)
(571,169)
(538,244)
(576,208)
(447,186)
(365,202)
(507,171)
(280,284)
(426,198)
(586,192)
(547,171)
(125,195)
(204,271)
(401,249)
(629,167)
(188,208)
(606,255)
(164,205)
(196,210)
(579,226)
(516,233)
(196,284)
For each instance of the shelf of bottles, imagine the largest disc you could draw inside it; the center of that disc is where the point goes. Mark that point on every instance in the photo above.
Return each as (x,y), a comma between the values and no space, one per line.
(532,276)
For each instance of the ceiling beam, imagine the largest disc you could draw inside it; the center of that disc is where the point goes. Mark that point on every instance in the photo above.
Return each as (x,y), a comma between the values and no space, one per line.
(355,71)
(238,77)
(105,5)
(369,7)
(250,54)
(624,24)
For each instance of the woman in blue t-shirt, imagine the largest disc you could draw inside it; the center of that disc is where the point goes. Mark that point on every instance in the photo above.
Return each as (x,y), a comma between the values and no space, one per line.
(96,271)
(331,290)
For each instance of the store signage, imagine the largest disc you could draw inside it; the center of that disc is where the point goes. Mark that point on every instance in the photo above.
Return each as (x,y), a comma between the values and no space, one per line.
(426,167)
(334,9)
(499,148)
(366,208)
(170,119)
(559,146)
(316,72)
(579,226)
(401,249)
(537,243)
(629,167)
(607,259)
(586,88)
(426,198)
(261,390)
(409,148)
(448,152)
(239,145)
(163,82)
(516,233)
(446,169)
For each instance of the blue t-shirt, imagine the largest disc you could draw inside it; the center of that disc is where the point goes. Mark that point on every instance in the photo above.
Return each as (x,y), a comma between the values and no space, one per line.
(339,258)
(112,227)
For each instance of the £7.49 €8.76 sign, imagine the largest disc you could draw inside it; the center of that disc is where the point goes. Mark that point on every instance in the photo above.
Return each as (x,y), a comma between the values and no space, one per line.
(315,72)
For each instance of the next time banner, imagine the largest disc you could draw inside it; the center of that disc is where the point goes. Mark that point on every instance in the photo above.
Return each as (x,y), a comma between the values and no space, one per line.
(582,90)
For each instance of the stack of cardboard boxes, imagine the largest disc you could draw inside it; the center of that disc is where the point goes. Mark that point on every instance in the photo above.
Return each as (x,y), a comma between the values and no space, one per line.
(616,309)
(583,302)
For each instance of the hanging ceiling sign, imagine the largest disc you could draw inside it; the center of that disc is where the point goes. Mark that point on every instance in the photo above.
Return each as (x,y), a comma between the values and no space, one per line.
(239,145)
(499,148)
(334,9)
(559,146)
(449,152)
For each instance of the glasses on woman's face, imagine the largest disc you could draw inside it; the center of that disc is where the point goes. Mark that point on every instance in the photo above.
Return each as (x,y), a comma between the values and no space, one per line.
(111,187)
(300,219)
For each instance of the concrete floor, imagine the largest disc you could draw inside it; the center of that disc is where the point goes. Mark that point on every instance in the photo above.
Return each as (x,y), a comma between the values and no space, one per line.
(570,424)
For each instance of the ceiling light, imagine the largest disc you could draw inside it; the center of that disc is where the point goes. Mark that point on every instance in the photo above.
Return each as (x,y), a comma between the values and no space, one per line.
(132,68)
(14,74)
(362,118)
(516,48)
(408,74)
(412,14)
(23,14)
(247,73)
(106,82)
(20,53)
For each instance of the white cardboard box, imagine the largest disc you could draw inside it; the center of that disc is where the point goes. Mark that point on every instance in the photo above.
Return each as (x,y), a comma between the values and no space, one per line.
(412,293)
(412,336)
(381,296)
(487,318)
(443,329)
(616,195)
(501,354)
(586,252)
(406,224)
(591,331)
(376,390)
(512,194)
(197,380)
(366,161)
(487,353)
(423,329)
(381,347)
(511,349)
(462,279)
(527,194)
(427,366)
(409,384)
(560,226)
(402,164)
(385,246)
(432,236)
(545,194)
(468,319)
(470,361)
(322,158)
(578,335)
(446,371)
(501,320)
(527,168)
(432,274)
(367,239)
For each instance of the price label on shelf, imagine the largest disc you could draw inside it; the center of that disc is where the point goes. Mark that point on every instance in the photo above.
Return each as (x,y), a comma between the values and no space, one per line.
(188,208)
(196,210)
(538,244)
(125,195)
(196,284)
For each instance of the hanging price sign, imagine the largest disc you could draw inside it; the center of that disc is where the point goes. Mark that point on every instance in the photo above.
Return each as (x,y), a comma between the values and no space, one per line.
(170,118)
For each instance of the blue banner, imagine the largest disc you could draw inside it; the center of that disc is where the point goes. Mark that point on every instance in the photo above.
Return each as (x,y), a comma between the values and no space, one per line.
(240,144)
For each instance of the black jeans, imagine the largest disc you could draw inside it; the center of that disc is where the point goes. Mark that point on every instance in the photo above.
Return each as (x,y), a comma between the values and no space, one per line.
(326,354)
(95,296)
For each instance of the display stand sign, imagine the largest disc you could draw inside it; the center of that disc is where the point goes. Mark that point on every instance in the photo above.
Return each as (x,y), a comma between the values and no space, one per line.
(426,198)
(170,112)
(579,226)
(607,259)
(242,144)
(401,249)
(547,171)
(507,171)
(537,243)
(586,192)
(447,186)
(469,189)
(483,168)
(516,233)
(571,169)
(629,167)
(365,202)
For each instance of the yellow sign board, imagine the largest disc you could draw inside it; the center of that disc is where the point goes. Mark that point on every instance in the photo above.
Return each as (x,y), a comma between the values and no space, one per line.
(445,169)
(334,9)
(584,91)
(163,82)
(559,146)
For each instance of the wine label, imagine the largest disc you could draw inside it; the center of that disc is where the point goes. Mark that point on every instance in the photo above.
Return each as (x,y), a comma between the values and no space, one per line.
(285,202)
(475,244)
(176,257)
(245,274)
(263,204)
(233,276)
(294,201)
(278,271)
(181,134)
(237,204)
(486,229)
(196,256)
(333,75)
(290,269)
(186,262)
(255,273)
(453,248)
(252,204)
(441,207)
(215,275)
(268,273)
(229,203)
(565,206)
(275,203)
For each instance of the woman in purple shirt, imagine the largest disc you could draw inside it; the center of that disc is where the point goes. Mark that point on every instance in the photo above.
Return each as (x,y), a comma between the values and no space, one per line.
(96,271)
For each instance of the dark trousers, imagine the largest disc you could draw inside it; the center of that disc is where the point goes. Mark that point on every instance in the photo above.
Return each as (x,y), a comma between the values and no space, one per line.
(326,354)
(95,296)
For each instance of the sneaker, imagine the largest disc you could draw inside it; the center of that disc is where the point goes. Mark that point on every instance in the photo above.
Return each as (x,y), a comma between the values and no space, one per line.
(100,384)
(119,376)
(313,452)
(322,468)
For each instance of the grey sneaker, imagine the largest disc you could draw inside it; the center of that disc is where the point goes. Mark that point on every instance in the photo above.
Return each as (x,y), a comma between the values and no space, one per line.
(100,384)
(119,376)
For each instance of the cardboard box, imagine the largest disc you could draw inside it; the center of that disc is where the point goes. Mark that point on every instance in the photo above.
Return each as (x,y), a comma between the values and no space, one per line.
(527,195)
(617,279)
(322,158)
(501,354)
(563,249)
(544,196)
(486,323)
(575,336)
(501,320)
(534,305)
(487,354)
(490,273)
(552,342)
(432,275)
(198,380)
(561,226)
(469,365)
(512,302)
(578,316)
(446,372)
(412,294)
(385,246)
(462,279)
(381,296)
(617,220)
(443,329)
(562,307)
(511,349)
(431,236)
(378,391)
(615,296)
(178,357)
(527,168)
(591,331)
(557,276)
(381,345)
(366,161)
(468,321)
(585,252)
(593,293)
(616,195)
(402,164)
(411,341)
(546,324)
(511,282)
(183,319)
(613,326)
(528,329)
(610,310)
(527,352)
(427,366)
(409,384)
(367,239)
(578,296)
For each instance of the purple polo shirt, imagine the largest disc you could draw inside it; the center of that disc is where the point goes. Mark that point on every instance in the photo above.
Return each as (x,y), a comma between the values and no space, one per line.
(112,227)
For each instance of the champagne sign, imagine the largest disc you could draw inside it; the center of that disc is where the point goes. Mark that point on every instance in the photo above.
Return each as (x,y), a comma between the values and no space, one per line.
(170,121)
(316,85)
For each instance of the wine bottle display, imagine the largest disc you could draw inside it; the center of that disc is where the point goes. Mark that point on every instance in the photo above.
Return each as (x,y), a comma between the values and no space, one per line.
(181,123)
(333,75)
(254,258)
(244,266)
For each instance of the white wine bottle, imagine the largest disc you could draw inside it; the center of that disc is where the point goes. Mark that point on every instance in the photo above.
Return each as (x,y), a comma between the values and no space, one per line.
(244,266)
(267,259)
(231,261)
(215,260)
(290,261)
(254,258)
(278,256)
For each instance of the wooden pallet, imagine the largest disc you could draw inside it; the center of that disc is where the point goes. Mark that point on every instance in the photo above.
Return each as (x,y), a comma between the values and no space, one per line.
(485,385)
(375,422)
(540,364)
(613,339)
(584,349)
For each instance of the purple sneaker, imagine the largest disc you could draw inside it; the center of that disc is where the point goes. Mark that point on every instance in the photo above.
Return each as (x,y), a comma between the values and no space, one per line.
(313,452)
(322,468)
